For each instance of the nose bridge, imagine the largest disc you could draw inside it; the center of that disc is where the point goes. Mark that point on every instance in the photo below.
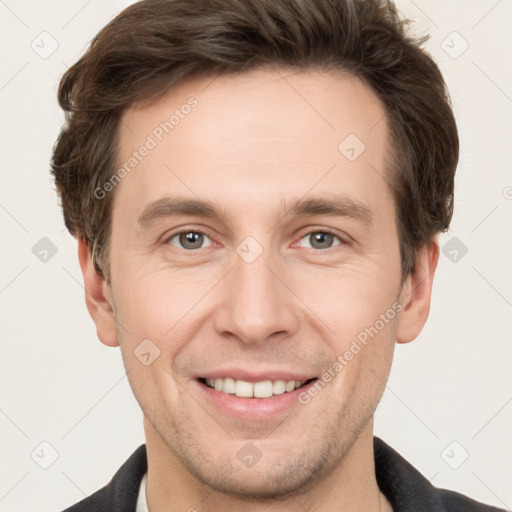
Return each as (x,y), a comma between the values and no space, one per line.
(256,303)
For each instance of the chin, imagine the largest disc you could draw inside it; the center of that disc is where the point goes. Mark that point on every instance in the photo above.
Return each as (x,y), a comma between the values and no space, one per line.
(268,483)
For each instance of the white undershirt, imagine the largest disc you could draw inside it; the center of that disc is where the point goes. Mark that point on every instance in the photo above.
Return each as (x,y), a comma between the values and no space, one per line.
(142,504)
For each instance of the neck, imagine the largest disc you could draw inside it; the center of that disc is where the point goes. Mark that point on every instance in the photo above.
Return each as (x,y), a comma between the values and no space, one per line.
(351,485)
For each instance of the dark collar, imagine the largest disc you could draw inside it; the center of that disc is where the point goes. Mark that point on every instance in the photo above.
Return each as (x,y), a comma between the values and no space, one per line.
(406,488)
(409,491)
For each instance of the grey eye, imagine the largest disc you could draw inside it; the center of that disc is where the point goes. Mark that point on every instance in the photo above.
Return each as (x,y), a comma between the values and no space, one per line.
(321,239)
(189,240)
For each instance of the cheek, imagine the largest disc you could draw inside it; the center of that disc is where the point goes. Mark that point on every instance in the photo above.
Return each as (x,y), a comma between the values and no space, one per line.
(155,303)
(349,299)
(357,322)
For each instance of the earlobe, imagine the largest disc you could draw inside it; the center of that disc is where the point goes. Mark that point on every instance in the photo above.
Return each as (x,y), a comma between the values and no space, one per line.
(416,294)
(97,297)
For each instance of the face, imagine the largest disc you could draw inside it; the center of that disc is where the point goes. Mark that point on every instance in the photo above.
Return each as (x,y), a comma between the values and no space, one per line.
(254,249)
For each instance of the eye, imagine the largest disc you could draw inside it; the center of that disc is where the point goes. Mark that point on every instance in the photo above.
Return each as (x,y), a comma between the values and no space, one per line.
(193,239)
(189,239)
(321,239)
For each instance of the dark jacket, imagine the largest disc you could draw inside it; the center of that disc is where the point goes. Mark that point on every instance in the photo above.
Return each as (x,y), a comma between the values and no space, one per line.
(406,489)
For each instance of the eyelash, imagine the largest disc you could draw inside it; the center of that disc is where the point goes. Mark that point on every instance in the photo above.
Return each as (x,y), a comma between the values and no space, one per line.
(201,231)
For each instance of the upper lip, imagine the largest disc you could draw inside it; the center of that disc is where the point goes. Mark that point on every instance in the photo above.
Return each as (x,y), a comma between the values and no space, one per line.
(252,376)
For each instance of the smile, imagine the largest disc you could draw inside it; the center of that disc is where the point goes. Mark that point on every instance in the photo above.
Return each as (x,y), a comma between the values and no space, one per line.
(262,389)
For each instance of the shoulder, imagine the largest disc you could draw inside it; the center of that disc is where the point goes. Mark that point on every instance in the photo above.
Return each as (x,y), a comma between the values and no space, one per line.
(121,493)
(408,490)
(455,502)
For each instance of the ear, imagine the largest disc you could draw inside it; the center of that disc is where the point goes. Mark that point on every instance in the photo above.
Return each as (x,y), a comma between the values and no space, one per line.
(416,294)
(97,297)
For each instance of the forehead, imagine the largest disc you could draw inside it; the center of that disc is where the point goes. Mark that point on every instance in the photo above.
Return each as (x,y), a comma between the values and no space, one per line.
(266,135)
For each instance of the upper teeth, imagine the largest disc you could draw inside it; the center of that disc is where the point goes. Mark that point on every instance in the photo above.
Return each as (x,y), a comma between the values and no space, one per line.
(261,389)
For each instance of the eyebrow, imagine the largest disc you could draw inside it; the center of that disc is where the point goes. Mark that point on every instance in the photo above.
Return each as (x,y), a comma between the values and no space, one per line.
(330,204)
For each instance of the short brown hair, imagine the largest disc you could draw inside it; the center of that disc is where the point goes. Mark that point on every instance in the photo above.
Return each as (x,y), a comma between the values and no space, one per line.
(155,44)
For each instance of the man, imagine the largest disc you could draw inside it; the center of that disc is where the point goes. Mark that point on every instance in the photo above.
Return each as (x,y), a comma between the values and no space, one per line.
(257,188)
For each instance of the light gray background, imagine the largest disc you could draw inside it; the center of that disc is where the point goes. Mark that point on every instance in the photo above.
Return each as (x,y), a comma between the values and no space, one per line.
(450,392)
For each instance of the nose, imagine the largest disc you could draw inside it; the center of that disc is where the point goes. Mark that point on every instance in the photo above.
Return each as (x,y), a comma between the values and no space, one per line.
(258,304)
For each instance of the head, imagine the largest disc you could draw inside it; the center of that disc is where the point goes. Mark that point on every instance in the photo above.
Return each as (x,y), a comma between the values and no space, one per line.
(266,111)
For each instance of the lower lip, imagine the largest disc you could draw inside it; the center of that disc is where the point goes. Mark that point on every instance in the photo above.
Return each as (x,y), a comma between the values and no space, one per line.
(253,408)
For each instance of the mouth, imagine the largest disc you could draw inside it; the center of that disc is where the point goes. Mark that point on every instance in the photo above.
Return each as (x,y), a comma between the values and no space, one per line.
(255,390)
(248,395)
